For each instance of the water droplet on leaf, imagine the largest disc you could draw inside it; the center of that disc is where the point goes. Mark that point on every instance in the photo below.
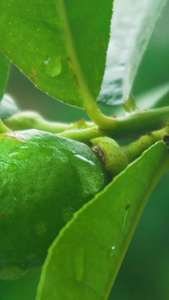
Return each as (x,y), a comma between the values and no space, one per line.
(112,251)
(53,66)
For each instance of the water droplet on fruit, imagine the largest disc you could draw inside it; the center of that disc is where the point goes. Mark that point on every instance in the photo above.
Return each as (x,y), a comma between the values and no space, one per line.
(13,154)
(23,153)
(53,66)
(85,159)
(12,271)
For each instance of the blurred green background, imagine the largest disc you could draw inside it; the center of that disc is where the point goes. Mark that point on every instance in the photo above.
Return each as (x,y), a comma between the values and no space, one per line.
(145,271)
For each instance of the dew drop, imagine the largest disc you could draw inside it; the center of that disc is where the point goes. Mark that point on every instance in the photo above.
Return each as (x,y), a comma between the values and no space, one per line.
(23,153)
(84,159)
(53,66)
(12,271)
(112,251)
(13,154)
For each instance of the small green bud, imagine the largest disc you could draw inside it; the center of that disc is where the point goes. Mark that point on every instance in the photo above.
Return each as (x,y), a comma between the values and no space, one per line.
(111,154)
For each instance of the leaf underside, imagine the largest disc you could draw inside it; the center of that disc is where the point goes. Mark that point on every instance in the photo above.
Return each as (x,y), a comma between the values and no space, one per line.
(4,72)
(132,26)
(84,259)
(59,44)
(156,97)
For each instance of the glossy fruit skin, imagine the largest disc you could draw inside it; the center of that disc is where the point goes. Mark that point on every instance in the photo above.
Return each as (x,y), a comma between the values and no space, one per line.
(44,179)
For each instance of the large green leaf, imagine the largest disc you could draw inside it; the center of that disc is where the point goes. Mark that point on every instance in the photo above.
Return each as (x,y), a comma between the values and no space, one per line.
(132,27)
(4,70)
(155,97)
(59,44)
(84,259)
(8,107)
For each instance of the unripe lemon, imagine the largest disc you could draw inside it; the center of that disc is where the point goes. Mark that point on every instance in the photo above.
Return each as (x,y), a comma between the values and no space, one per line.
(44,179)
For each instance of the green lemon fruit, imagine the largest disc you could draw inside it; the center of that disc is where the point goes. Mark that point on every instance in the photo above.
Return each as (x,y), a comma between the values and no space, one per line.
(44,179)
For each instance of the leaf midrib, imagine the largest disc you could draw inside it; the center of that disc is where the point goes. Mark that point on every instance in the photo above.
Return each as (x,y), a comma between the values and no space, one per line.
(70,48)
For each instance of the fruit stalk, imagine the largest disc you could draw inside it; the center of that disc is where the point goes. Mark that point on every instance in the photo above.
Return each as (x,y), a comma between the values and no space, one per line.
(3,128)
(139,122)
(116,157)
(136,123)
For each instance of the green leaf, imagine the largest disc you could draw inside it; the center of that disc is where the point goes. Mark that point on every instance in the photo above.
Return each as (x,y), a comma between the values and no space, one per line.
(4,71)
(60,45)
(84,259)
(132,27)
(155,97)
(8,107)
